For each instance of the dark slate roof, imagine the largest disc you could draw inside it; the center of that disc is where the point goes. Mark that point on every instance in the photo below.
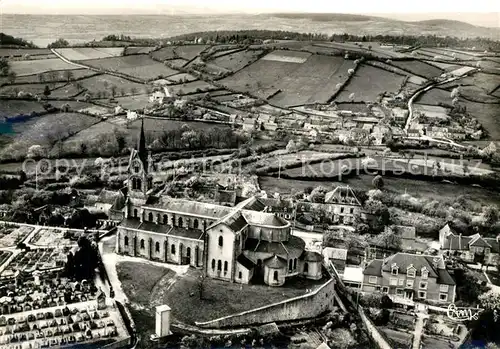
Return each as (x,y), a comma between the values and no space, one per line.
(456,243)
(404,260)
(254,205)
(107,197)
(478,241)
(245,262)
(226,196)
(310,256)
(444,277)
(275,262)
(495,245)
(343,195)
(374,268)
(294,246)
(162,229)
(236,222)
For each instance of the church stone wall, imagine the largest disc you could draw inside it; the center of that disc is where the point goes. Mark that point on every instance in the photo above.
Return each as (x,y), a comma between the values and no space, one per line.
(303,307)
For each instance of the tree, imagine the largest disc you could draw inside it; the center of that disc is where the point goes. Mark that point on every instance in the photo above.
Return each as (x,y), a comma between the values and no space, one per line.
(11,76)
(388,240)
(41,77)
(318,194)
(291,147)
(378,182)
(113,90)
(68,75)
(379,212)
(46,91)
(59,43)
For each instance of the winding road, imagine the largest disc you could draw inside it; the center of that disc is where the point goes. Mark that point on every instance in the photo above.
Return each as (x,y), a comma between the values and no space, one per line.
(411,112)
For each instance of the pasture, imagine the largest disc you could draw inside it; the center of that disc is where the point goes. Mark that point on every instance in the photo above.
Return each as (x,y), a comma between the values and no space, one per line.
(21,52)
(133,50)
(66,91)
(488,116)
(191,87)
(435,96)
(138,66)
(86,53)
(28,88)
(189,52)
(103,83)
(177,63)
(313,81)
(19,107)
(92,133)
(367,84)
(164,53)
(53,76)
(446,67)
(236,61)
(39,66)
(419,68)
(134,102)
(182,77)
(487,82)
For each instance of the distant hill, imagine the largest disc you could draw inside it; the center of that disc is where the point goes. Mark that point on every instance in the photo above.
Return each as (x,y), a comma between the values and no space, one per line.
(373,25)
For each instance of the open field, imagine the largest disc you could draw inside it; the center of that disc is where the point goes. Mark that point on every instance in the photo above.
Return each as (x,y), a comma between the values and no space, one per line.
(419,68)
(85,53)
(189,52)
(367,84)
(45,129)
(40,66)
(182,77)
(19,107)
(177,63)
(103,83)
(132,50)
(192,87)
(399,185)
(488,115)
(446,67)
(139,66)
(20,52)
(93,132)
(66,91)
(299,77)
(164,53)
(435,96)
(362,48)
(28,88)
(236,61)
(487,82)
(134,102)
(52,76)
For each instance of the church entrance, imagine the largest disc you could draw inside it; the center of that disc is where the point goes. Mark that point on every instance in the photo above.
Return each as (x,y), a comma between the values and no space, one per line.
(188,256)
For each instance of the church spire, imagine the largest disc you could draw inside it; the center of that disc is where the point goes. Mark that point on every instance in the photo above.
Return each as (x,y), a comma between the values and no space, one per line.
(141,146)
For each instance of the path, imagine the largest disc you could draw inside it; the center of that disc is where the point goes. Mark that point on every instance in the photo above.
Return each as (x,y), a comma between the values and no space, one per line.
(419,329)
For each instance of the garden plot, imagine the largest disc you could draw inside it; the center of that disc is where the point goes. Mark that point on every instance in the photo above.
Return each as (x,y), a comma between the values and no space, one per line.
(54,237)
(11,236)
(85,53)
(432,111)
(368,83)
(40,66)
(138,66)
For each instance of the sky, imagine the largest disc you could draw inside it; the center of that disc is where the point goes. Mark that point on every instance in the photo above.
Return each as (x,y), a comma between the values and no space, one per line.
(411,10)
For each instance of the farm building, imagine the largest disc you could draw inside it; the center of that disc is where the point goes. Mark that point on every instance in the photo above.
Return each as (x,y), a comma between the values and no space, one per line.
(399,114)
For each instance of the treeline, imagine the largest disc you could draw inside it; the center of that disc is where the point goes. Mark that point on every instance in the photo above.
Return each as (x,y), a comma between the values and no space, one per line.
(9,40)
(114,37)
(256,36)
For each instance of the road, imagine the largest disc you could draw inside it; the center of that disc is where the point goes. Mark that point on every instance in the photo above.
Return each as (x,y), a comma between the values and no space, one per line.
(411,111)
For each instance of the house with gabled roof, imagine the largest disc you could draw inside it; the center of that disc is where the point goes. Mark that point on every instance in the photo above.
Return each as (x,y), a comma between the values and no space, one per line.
(469,248)
(344,205)
(410,277)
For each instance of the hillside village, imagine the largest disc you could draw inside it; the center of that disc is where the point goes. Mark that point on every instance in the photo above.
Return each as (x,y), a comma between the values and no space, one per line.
(213,191)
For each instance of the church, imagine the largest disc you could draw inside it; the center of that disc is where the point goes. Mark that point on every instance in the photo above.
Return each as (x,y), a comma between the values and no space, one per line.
(237,244)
